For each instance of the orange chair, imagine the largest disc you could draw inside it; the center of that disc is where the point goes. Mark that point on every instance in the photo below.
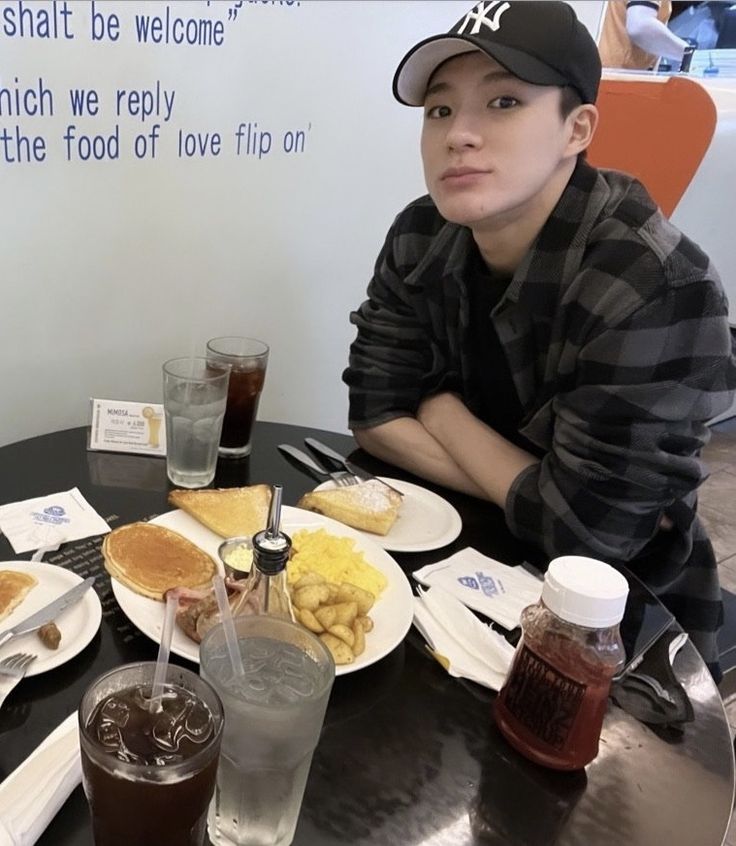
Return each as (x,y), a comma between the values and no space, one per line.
(656,131)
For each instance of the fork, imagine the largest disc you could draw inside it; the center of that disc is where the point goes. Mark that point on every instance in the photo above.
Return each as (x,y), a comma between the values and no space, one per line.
(12,670)
(343,479)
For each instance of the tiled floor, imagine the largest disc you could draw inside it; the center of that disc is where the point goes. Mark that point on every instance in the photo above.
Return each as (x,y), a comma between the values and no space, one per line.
(716,508)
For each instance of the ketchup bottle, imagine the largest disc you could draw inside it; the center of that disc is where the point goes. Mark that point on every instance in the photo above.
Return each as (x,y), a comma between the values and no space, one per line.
(552,704)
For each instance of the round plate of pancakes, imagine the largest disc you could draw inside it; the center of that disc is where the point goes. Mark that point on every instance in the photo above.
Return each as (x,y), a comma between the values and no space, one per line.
(391,614)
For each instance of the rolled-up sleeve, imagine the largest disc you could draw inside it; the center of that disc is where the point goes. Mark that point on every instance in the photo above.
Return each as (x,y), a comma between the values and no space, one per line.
(627,434)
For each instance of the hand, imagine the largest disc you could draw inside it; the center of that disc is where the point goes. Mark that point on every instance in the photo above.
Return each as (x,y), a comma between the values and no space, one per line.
(486,458)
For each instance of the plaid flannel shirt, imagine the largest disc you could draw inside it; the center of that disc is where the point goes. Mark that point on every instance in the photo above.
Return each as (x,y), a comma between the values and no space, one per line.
(615,327)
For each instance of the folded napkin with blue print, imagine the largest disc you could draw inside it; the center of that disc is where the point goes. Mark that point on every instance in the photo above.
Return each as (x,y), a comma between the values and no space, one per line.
(48,520)
(493,589)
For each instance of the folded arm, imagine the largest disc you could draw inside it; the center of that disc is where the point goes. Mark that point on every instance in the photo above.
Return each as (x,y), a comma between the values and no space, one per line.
(625,444)
(448,445)
(406,443)
(627,437)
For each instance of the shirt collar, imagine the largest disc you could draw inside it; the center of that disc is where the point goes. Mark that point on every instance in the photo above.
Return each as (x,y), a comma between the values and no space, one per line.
(556,253)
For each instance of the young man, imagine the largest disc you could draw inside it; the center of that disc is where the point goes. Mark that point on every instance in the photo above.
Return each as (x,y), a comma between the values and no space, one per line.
(536,333)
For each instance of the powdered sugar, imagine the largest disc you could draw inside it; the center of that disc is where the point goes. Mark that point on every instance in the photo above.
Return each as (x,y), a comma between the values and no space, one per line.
(373,495)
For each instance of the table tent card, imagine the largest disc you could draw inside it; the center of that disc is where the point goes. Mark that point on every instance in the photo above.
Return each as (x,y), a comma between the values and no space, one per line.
(119,426)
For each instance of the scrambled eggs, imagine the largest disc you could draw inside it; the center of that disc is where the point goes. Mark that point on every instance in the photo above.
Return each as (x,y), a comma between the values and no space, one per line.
(333,557)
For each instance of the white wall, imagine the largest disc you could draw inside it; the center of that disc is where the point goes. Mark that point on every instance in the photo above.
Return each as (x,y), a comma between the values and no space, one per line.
(706,211)
(108,268)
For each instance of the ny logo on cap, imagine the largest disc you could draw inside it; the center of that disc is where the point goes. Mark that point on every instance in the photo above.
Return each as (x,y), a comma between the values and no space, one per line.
(484,14)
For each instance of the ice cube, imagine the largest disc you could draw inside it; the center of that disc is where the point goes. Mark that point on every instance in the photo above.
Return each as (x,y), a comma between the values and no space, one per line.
(203,429)
(164,732)
(109,735)
(297,687)
(115,711)
(181,427)
(198,724)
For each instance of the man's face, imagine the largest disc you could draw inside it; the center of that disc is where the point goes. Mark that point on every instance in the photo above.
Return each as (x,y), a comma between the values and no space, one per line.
(490,142)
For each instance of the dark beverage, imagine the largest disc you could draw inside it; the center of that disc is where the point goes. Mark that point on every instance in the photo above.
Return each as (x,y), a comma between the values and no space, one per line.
(243,394)
(149,774)
(248,359)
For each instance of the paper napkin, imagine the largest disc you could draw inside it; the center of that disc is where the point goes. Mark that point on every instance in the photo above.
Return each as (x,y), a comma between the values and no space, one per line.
(489,587)
(466,647)
(50,519)
(33,793)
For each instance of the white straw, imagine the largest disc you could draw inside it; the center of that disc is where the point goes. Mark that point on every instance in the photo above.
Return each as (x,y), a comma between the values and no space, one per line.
(231,637)
(164,647)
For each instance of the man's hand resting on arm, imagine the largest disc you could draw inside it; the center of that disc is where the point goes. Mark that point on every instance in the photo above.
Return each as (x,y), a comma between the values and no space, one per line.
(445,443)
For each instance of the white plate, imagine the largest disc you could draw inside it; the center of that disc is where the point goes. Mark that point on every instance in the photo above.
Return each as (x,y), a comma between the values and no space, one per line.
(425,521)
(392,613)
(77,623)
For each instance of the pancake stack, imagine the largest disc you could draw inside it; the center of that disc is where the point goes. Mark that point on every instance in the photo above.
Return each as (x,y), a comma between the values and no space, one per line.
(151,559)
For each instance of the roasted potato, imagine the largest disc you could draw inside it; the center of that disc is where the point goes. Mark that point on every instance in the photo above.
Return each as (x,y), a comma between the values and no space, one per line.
(337,613)
(358,639)
(344,633)
(341,652)
(352,593)
(327,616)
(310,597)
(365,622)
(309,621)
(310,579)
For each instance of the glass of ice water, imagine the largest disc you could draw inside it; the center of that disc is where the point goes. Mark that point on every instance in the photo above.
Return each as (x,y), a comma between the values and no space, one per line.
(273,717)
(195,394)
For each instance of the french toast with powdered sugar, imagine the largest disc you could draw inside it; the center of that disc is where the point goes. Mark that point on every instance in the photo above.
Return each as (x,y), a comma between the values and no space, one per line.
(371,505)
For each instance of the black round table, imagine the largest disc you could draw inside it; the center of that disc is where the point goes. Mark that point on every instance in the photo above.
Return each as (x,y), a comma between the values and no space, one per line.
(408,754)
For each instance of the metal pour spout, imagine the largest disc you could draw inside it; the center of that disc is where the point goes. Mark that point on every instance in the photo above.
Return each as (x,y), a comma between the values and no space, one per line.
(274,511)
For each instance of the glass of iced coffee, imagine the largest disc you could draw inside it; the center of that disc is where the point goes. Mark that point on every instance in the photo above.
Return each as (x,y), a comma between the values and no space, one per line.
(149,768)
(247,358)
(273,717)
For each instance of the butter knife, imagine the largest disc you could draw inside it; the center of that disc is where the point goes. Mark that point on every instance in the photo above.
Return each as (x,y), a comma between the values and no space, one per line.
(48,613)
(328,452)
(307,462)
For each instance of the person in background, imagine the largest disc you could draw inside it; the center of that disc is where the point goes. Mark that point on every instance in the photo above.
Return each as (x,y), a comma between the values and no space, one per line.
(635,35)
(537,334)
(701,23)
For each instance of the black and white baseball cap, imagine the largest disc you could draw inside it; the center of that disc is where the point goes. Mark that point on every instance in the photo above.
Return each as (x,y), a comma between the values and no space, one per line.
(540,41)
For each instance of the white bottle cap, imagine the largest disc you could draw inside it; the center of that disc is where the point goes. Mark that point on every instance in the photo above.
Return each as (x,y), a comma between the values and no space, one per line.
(585,591)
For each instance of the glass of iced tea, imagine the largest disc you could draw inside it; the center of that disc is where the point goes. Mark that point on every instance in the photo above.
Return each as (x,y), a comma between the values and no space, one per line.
(248,359)
(149,769)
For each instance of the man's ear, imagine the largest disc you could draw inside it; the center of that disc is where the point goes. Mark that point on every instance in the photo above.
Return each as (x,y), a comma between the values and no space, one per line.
(583,121)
